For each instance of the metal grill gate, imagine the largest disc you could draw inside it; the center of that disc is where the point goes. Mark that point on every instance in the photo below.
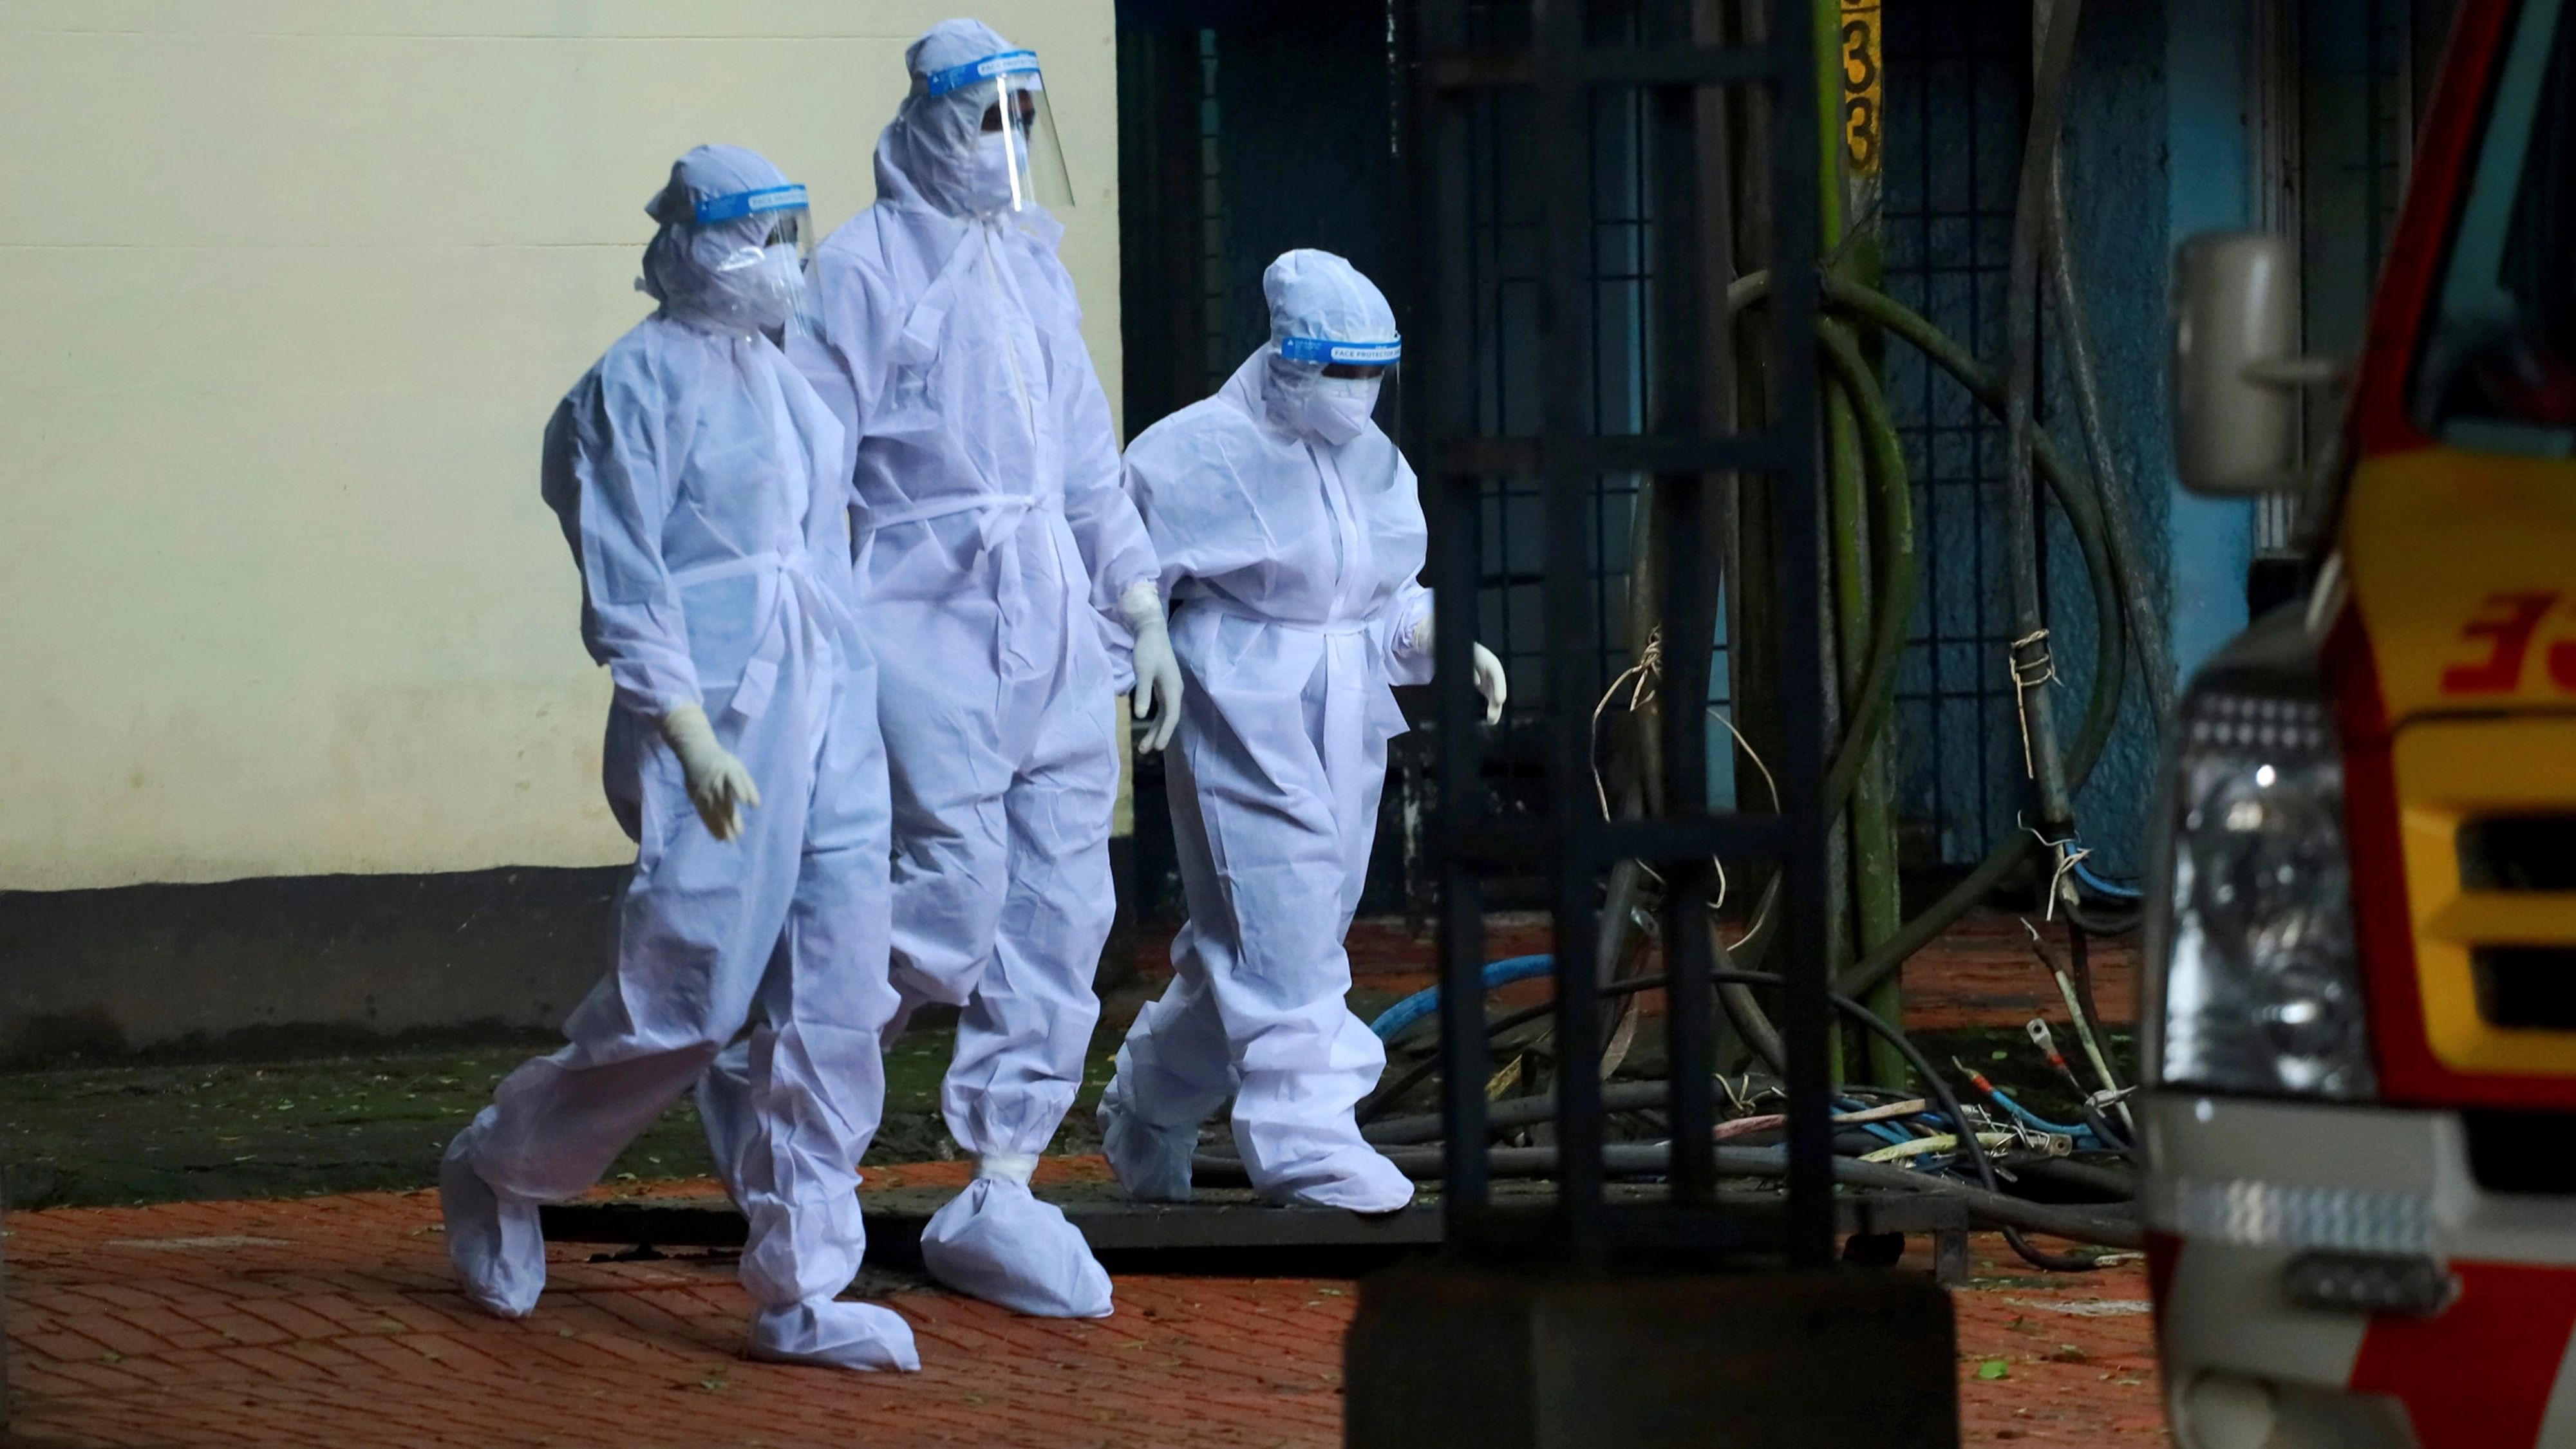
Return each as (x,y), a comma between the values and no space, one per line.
(1539,75)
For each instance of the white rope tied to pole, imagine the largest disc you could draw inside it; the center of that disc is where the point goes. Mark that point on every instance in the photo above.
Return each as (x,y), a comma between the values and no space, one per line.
(2028,674)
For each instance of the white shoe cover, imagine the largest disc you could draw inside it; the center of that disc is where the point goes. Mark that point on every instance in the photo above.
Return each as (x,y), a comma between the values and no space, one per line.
(1151,1163)
(997,1242)
(1357,1178)
(495,1242)
(835,1334)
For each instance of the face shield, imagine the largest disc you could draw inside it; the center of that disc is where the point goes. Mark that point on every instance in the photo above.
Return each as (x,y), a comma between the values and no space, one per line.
(1342,385)
(1019,158)
(756,243)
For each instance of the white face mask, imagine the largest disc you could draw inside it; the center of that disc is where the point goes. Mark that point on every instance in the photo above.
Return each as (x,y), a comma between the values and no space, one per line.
(989,179)
(785,269)
(761,285)
(1337,408)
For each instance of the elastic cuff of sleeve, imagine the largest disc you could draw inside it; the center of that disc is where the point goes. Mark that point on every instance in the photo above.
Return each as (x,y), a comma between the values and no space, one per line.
(652,696)
(1141,604)
(685,722)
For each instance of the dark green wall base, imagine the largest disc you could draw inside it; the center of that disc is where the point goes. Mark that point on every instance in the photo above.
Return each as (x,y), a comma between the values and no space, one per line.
(316,964)
(296,965)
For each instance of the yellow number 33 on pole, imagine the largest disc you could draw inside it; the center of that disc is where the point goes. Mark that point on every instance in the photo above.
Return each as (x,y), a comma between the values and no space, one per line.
(1864,85)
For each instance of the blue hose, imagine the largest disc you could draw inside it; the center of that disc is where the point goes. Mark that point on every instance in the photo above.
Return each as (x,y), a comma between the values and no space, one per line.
(1424,1002)
(2036,1122)
(2113,889)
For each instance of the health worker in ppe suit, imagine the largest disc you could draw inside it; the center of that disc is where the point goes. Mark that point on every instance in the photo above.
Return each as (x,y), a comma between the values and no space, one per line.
(1290,535)
(998,548)
(702,486)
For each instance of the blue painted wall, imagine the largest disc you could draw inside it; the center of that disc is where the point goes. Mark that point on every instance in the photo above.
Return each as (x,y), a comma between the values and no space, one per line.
(2208,51)
(2120,117)
(2157,95)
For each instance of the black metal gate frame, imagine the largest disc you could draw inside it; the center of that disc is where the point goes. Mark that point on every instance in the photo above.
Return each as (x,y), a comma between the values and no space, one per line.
(1562,65)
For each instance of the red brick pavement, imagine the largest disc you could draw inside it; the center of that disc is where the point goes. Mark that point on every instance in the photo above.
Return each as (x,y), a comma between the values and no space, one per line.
(2056,1358)
(332,1322)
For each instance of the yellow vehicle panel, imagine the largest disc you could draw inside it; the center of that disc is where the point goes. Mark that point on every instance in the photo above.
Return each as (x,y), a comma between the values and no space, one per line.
(2463,568)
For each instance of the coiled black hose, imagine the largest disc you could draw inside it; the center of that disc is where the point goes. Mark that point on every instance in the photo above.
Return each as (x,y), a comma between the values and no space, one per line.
(2112,577)
(1933,1082)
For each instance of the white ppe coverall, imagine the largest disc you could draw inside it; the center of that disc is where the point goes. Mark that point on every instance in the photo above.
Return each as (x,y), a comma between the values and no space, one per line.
(700,484)
(996,542)
(1290,536)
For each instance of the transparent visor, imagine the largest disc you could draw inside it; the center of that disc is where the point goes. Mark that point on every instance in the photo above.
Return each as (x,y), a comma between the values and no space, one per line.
(775,216)
(1353,369)
(1015,109)
(767,237)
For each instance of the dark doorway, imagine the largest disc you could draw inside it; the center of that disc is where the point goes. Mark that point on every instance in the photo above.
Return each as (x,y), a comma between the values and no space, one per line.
(1246,128)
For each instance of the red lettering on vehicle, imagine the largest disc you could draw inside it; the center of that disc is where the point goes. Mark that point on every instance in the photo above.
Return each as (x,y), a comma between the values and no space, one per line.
(2562,664)
(2507,621)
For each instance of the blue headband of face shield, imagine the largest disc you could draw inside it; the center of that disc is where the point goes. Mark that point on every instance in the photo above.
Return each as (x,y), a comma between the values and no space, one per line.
(739,204)
(958,77)
(1326,352)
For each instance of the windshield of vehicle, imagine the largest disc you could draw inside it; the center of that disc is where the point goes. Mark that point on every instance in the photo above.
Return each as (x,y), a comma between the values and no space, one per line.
(2498,370)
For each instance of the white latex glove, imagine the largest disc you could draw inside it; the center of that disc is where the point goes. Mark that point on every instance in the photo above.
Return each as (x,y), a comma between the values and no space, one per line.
(718,784)
(1489,671)
(1157,701)
(1491,684)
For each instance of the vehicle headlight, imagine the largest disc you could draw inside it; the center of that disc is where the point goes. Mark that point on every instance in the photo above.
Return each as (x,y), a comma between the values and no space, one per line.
(2261,988)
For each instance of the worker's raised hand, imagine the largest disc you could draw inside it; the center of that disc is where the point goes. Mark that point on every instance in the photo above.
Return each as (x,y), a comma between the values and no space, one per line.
(1157,701)
(718,783)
